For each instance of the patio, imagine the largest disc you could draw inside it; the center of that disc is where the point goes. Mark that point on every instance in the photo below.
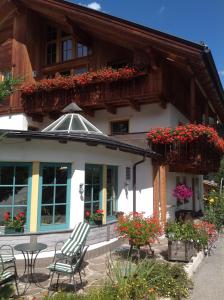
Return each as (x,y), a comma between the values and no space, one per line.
(95,269)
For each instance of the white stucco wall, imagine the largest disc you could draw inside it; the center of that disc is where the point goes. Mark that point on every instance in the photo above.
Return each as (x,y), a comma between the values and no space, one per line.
(78,154)
(14,121)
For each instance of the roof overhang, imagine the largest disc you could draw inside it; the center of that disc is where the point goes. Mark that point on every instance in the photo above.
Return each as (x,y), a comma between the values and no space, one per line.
(88,139)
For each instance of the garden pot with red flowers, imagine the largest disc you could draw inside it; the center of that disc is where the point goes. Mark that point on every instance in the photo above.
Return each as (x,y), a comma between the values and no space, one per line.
(15,224)
(97,217)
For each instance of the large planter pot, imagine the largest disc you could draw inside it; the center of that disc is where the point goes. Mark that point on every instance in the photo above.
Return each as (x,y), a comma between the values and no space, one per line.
(14,230)
(180,250)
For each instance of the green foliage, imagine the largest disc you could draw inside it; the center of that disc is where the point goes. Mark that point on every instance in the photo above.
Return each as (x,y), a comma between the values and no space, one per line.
(214,209)
(6,291)
(143,281)
(187,232)
(8,86)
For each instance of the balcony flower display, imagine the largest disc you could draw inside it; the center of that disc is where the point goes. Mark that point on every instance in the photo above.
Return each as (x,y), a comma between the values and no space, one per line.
(186,134)
(184,147)
(71,82)
(139,230)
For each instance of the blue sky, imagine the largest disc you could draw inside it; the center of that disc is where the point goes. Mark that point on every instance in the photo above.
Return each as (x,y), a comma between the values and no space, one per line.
(195,20)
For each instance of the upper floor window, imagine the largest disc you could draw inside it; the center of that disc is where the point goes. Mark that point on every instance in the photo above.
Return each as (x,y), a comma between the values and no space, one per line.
(62,47)
(119,127)
(66,50)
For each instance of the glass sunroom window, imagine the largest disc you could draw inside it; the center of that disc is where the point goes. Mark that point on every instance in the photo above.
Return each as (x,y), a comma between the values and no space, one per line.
(93,188)
(55,187)
(14,189)
(112,173)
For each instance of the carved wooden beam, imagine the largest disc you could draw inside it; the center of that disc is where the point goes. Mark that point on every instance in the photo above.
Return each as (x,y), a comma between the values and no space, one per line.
(78,33)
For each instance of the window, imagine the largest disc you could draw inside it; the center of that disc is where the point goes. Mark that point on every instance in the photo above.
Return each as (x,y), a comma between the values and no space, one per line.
(51,53)
(14,189)
(66,50)
(82,50)
(55,186)
(112,173)
(93,188)
(62,47)
(120,127)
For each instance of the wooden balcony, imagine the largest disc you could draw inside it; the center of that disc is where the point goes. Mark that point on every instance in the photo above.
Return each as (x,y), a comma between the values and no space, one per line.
(139,89)
(195,158)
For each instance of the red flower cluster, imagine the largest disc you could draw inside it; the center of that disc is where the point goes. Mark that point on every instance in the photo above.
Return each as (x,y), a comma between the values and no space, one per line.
(17,222)
(186,134)
(139,230)
(207,227)
(71,82)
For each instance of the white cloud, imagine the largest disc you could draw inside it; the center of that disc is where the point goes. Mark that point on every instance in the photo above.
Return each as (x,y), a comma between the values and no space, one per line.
(221,72)
(94,5)
(161,10)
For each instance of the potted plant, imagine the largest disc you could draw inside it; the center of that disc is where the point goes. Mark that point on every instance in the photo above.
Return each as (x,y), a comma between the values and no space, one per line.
(97,217)
(16,224)
(183,193)
(2,228)
(184,239)
(139,230)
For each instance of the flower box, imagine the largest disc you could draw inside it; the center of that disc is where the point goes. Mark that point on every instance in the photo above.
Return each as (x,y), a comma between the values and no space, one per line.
(180,250)
(12,230)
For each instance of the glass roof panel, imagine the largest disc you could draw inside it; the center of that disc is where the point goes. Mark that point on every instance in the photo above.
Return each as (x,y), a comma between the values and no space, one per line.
(64,125)
(72,123)
(77,124)
(90,127)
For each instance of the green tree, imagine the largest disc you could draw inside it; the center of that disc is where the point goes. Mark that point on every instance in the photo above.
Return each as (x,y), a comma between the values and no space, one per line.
(8,86)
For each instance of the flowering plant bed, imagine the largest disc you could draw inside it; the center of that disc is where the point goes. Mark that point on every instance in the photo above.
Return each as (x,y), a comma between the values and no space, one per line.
(71,82)
(139,230)
(184,146)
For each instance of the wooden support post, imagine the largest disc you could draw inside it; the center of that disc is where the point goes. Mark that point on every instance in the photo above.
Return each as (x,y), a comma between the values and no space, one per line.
(34,196)
(193,195)
(206,113)
(156,191)
(104,194)
(192,101)
(162,187)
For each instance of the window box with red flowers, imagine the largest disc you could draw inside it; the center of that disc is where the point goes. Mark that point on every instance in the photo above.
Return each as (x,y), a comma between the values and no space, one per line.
(75,81)
(95,218)
(16,224)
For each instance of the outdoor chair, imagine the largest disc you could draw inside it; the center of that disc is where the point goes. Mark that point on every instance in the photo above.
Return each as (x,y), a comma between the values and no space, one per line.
(75,243)
(8,272)
(7,256)
(72,266)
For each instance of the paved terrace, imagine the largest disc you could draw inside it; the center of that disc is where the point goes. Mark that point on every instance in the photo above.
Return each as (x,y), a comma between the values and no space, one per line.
(95,269)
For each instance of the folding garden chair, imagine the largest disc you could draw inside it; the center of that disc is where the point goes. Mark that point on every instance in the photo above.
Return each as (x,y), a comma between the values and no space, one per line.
(72,266)
(8,272)
(7,256)
(74,245)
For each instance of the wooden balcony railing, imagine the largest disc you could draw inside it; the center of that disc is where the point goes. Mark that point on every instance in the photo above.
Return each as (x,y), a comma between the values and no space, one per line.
(196,158)
(133,91)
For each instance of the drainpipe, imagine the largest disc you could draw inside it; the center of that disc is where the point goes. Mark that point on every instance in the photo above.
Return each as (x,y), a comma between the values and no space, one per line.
(134,181)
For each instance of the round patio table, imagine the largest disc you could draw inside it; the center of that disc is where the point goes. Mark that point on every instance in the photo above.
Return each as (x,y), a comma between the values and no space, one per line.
(30,252)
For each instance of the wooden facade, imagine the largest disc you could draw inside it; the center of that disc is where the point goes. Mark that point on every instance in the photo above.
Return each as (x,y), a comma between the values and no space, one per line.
(176,71)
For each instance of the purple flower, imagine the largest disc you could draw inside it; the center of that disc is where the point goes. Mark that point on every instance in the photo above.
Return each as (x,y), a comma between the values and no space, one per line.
(182,192)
